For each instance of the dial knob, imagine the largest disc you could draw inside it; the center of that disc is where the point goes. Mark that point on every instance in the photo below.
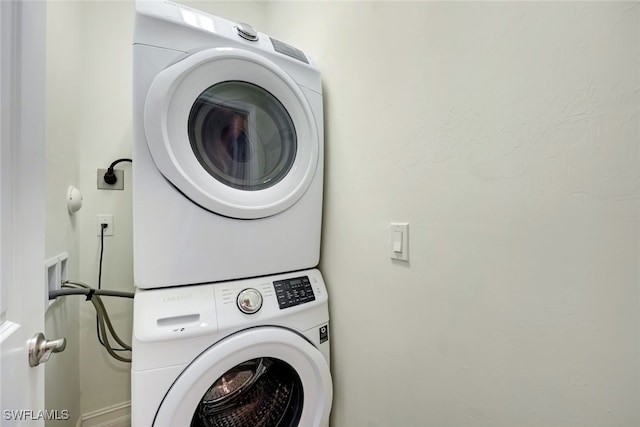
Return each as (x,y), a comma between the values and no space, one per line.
(249,301)
(246,31)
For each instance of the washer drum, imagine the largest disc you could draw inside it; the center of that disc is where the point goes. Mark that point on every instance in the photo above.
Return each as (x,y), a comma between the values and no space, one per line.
(258,393)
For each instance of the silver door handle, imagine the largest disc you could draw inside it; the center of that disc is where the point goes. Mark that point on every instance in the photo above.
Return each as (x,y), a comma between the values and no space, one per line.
(41,348)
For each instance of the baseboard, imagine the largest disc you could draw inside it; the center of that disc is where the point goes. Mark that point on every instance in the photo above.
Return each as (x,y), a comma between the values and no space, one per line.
(113,416)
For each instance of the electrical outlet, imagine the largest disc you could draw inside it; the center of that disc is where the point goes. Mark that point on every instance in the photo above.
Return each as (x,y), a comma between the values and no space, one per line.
(119,185)
(105,219)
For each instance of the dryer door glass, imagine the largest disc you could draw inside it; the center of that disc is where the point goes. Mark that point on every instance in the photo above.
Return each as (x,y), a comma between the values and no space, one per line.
(263,392)
(234,132)
(242,135)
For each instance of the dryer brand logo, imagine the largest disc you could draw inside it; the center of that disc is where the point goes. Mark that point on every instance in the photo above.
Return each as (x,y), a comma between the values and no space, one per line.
(176,298)
(324,333)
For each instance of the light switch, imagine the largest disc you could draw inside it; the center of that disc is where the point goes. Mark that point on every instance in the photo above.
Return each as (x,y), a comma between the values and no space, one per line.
(397,241)
(400,241)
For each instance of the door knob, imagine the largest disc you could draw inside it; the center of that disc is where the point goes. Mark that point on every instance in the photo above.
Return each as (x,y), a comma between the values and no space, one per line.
(41,348)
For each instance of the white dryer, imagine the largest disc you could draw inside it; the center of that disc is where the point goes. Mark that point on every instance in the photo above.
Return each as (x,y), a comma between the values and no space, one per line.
(243,353)
(227,150)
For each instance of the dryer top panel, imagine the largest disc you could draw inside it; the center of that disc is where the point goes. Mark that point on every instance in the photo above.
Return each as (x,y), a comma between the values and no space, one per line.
(172,26)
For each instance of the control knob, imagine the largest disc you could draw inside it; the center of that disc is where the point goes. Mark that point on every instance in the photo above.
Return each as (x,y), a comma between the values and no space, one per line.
(246,31)
(249,301)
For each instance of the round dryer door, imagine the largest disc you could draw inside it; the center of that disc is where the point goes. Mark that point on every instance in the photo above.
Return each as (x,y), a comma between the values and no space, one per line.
(268,377)
(232,132)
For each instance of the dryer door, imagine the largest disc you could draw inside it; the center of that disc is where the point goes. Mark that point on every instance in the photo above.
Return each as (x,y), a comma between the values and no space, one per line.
(267,376)
(232,132)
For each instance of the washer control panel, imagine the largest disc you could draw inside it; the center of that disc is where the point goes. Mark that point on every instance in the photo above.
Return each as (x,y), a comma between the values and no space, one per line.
(292,292)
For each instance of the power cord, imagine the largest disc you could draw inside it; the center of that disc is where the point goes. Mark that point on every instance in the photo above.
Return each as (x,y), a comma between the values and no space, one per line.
(110,176)
(103,227)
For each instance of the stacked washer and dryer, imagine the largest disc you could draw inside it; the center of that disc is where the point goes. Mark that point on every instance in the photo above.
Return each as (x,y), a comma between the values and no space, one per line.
(230,315)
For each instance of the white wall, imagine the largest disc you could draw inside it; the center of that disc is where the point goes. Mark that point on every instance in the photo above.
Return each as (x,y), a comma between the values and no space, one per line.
(64,75)
(506,134)
(105,135)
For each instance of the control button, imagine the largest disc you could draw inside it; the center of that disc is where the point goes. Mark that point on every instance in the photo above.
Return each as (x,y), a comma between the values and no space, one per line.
(249,301)
(246,31)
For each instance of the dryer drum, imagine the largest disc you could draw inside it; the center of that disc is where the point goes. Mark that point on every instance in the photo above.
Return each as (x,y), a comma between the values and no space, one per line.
(259,393)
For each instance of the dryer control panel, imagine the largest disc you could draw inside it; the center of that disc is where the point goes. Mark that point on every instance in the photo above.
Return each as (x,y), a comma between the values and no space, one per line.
(292,292)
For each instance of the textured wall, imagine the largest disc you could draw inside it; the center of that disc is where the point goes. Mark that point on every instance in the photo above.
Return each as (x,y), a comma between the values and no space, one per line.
(506,134)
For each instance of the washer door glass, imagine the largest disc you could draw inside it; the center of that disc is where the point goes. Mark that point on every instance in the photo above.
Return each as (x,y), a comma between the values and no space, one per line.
(263,392)
(264,376)
(242,135)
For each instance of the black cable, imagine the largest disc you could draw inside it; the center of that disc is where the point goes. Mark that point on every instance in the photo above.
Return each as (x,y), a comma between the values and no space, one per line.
(102,228)
(109,176)
(113,165)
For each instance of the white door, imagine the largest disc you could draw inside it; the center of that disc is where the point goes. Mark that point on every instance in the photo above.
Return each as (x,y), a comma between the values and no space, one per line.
(233,132)
(22,151)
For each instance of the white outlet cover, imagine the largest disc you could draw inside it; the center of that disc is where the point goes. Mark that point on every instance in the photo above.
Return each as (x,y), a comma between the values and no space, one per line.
(105,219)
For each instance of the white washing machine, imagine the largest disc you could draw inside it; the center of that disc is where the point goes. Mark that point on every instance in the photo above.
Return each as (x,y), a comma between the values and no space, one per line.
(227,150)
(251,352)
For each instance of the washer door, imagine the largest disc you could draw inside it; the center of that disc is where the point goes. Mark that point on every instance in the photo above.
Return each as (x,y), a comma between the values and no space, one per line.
(233,132)
(263,376)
